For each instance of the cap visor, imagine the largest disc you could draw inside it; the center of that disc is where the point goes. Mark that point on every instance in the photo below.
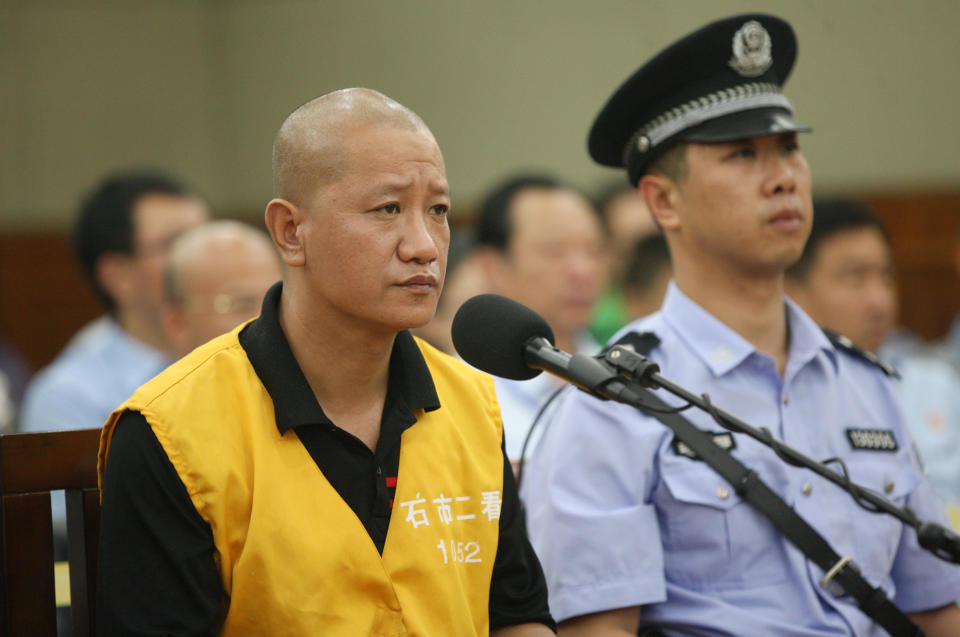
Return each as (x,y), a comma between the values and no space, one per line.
(745,124)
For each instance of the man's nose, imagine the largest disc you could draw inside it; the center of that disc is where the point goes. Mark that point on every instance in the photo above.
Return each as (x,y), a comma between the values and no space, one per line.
(418,243)
(583,264)
(782,174)
(882,297)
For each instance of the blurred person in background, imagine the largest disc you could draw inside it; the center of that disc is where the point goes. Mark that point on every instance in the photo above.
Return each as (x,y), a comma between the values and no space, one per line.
(541,243)
(845,281)
(122,235)
(216,278)
(646,276)
(121,238)
(845,278)
(628,221)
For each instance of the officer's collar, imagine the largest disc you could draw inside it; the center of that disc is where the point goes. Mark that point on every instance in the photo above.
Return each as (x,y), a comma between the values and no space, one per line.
(294,403)
(721,349)
(807,339)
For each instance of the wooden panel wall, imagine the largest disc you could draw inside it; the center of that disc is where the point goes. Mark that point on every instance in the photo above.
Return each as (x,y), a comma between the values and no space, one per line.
(44,298)
(925,231)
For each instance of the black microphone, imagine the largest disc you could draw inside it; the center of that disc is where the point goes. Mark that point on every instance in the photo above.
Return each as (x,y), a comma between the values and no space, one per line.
(491,332)
(508,339)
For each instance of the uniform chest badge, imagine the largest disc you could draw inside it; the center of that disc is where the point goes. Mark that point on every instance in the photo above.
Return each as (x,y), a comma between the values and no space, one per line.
(872,439)
(751,50)
(723,439)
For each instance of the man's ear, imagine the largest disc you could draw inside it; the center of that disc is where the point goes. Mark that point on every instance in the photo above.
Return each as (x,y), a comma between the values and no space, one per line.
(284,221)
(113,272)
(661,194)
(175,328)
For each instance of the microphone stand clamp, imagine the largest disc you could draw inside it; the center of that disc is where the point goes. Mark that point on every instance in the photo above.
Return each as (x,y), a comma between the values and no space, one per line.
(627,362)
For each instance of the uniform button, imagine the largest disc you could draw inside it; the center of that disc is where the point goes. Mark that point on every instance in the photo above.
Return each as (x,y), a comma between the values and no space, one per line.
(807,488)
(723,493)
(888,487)
(786,400)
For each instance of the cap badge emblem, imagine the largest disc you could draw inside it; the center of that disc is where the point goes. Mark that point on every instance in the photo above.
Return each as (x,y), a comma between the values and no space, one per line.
(751,50)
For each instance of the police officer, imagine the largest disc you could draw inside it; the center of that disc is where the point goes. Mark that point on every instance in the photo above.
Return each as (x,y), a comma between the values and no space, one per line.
(633,530)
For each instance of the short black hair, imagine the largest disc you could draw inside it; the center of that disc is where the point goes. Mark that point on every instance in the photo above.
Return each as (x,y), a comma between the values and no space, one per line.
(670,162)
(830,217)
(105,220)
(493,221)
(648,258)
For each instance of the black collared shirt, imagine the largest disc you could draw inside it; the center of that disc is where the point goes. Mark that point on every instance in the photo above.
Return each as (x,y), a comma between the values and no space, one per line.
(157,572)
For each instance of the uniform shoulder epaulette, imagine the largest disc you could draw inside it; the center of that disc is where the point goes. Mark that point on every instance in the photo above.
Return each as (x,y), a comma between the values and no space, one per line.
(641,342)
(844,343)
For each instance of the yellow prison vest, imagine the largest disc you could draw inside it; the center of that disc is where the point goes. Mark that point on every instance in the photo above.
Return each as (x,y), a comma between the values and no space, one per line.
(293,557)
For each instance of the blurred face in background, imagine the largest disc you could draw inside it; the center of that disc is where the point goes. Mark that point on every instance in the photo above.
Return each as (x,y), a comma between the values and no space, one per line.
(628,220)
(222,283)
(554,261)
(849,286)
(158,219)
(135,281)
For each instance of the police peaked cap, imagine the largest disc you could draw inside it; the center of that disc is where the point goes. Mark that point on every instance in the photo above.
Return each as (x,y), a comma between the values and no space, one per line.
(720,83)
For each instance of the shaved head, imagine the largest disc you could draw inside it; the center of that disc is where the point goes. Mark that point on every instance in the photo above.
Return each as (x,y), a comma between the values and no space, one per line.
(309,151)
(213,247)
(217,276)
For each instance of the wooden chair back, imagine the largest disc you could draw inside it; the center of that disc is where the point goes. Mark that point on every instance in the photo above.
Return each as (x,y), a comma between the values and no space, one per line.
(32,465)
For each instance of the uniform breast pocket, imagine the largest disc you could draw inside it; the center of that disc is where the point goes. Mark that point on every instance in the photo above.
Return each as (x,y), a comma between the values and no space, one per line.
(712,539)
(876,536)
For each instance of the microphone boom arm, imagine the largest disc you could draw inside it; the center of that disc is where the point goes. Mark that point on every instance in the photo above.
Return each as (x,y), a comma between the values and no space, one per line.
(584,372)
(638,369)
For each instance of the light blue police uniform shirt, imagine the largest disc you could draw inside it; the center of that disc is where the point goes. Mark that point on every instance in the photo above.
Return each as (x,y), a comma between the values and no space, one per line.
(99,368)
(620,519)
(929,389)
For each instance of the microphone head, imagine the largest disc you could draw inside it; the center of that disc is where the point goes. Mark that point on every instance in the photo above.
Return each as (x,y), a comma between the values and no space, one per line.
(491,331)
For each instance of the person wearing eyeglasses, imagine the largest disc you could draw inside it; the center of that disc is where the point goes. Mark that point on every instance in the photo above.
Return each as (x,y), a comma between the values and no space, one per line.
(216,278)
(122,235)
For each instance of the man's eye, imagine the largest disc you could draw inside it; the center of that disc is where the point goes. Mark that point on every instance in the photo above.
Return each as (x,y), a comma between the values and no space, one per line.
(440,209)
(390,208)
(791,146)
(745,151)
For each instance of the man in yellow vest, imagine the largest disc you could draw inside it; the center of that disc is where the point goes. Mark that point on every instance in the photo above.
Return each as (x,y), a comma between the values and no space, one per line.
(318,471)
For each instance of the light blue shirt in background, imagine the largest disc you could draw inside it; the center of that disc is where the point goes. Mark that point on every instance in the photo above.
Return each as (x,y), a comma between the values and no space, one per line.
(930,391)
(620,519)
(98,369)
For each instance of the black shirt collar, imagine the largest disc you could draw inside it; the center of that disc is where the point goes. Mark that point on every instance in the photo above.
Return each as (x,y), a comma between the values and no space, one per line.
(293,401)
